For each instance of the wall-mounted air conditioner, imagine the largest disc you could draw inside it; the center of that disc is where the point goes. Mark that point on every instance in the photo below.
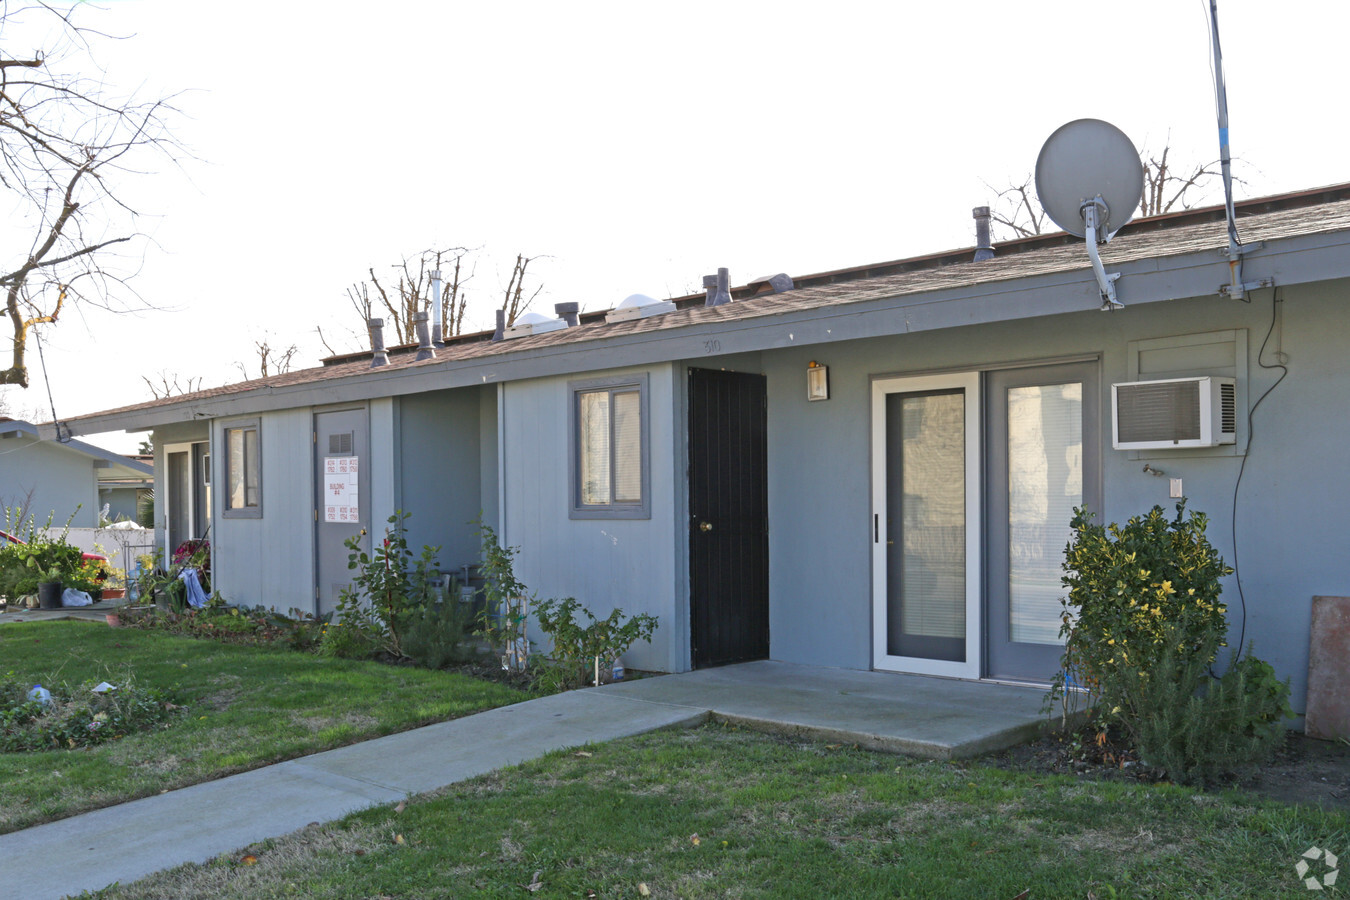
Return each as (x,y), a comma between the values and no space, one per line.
(1174,413)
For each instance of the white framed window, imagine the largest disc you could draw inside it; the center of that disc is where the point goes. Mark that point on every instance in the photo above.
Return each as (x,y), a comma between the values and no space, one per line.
(243,470)
(610,471)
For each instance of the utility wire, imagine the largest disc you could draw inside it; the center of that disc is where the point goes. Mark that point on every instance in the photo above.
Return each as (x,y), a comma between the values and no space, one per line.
(1275,302)
(46,380)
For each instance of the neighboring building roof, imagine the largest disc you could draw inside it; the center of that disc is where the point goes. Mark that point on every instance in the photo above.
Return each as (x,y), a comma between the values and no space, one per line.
(111,466)
(1162,258)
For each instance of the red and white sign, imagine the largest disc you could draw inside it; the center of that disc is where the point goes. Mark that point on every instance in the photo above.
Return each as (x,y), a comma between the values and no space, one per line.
(340,489)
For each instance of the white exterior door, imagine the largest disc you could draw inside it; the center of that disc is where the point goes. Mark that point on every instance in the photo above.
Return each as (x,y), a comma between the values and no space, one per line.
(926,509)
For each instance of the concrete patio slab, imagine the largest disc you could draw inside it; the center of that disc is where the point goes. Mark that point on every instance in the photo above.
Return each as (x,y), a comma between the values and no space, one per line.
(934,718)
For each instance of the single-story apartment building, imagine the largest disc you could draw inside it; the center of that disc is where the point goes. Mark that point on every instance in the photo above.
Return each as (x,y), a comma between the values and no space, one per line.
(871,468)
(68,481)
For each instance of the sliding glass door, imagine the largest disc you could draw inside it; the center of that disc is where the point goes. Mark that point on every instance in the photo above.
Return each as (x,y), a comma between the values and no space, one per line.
(926,524)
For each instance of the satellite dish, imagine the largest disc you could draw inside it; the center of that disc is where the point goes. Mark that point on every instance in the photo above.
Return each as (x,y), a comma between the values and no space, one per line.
(1090,181)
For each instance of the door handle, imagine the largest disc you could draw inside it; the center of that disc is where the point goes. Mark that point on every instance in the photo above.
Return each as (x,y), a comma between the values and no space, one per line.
(705,526)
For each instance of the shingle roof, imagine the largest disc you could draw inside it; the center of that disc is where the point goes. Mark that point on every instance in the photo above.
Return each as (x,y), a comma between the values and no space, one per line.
(1312,212)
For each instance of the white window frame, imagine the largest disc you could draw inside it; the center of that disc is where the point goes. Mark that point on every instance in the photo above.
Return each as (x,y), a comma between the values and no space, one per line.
(642,509)
(969,382)
(240,512)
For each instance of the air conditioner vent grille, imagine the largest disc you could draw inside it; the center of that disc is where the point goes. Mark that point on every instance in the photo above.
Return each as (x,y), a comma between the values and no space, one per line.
(1174,413)
(1163,411)
(1228,407)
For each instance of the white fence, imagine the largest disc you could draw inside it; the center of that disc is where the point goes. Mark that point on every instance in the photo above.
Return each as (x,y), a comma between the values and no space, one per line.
(121,546)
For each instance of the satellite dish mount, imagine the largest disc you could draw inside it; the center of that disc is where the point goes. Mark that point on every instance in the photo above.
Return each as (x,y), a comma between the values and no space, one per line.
(1094,211)
(1090,181)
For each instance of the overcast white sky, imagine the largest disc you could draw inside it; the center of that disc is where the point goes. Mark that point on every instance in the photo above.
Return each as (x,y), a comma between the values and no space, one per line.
(636,147)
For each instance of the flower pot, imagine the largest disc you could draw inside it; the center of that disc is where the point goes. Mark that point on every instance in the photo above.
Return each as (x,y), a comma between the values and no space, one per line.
(114,593)
(114,620)
(49,595)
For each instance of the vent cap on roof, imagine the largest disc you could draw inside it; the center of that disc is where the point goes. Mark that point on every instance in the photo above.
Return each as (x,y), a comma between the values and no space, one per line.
(638,306)
(533,323)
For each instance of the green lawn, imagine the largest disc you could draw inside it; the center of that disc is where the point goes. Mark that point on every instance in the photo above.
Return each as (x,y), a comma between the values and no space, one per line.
(720,812)
(246,707)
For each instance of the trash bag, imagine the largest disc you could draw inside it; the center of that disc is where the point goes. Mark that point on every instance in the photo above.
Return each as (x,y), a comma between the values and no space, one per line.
(72,597)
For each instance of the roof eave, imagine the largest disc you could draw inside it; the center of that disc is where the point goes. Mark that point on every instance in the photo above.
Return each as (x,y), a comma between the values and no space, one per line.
(1292,260)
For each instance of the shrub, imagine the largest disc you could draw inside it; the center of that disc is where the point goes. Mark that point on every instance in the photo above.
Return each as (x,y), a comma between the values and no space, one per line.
(505,614)
(1135,589)
(234,624)
(1201,729)
(437,635)
(341,641)
(390,595)
(1143,625)
(78,717)
(576,647)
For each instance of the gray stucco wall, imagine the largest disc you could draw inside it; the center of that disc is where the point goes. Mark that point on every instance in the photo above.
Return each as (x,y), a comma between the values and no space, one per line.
(269,561)
(439,472)
(1293,510)
(49,480)
(603,563)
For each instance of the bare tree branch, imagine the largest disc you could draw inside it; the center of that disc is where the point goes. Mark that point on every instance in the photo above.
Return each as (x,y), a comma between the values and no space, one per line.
(60,137)
(514,301)
(1018,210)
(169,386)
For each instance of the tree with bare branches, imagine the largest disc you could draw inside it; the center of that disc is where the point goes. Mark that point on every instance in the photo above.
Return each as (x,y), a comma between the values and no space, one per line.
(1166,189)
(271,361)
(66,148)
(166,385)
(410,291)
(515,302)
(400,303)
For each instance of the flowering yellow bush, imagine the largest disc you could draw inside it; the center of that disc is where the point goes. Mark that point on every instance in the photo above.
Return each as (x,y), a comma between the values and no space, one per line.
(1135,589)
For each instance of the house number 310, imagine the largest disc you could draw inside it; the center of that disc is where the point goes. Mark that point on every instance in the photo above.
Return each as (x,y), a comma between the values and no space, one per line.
(712,346)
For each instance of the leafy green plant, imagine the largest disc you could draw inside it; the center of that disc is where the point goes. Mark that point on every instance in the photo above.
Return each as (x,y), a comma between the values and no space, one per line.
(1143,624)
(1132,589)
(505,615)
(341,641)
(89,576)
(44,559)
(578,649)
(390,590)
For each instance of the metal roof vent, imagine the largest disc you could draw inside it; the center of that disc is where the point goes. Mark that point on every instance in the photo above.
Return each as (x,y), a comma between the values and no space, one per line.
(638,306)
(984,248)
(718,287)
(533,323)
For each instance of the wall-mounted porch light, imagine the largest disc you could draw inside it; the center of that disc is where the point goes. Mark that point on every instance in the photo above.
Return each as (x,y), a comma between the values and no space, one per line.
(817,381)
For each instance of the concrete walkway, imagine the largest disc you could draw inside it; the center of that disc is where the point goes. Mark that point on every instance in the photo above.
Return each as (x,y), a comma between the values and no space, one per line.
(929,717)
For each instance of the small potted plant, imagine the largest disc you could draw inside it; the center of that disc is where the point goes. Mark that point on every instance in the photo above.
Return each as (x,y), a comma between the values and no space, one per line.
(49,587)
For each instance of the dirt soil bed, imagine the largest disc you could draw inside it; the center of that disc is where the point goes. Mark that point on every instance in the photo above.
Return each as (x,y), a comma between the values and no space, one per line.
(1304,770)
